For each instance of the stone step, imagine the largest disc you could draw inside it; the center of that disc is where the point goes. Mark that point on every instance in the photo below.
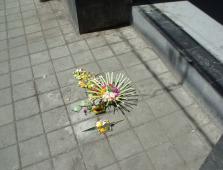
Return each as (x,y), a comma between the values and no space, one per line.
(199,68)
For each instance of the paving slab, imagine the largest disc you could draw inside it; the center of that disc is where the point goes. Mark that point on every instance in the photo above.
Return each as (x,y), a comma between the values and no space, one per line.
(30,127)
(55,119)
(7,136)
(6,114)
(25,108)
(9,158)
(45,165)
(102,154)
(140,161)
(70,160)
(33,150)
(120,147)
(61,140)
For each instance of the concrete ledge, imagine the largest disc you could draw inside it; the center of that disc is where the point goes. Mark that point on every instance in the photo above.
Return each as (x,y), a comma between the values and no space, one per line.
(197,68)
(204,29)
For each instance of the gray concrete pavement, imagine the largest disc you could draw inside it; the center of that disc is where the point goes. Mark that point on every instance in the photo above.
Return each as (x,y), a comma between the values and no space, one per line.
(39,50)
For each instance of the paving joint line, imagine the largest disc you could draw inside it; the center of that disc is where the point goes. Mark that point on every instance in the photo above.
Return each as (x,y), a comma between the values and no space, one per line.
(12,100)
(131,127)
(123,68)
(70,122)
(37,96)
(59,154)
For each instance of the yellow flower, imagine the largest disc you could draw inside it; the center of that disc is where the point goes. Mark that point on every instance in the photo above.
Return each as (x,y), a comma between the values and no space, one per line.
(103,126)
(102,130)
(82,84)
(82,74)
(90,85)
(102,91)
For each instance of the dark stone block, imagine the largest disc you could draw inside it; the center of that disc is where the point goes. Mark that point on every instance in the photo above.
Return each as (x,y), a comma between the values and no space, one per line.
(96,15)
(173,31)
(215,159)
(178,35)
(157,16)
(212,68)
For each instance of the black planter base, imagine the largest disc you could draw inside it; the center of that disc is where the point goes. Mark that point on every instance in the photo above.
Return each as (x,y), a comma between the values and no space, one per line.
(97,15)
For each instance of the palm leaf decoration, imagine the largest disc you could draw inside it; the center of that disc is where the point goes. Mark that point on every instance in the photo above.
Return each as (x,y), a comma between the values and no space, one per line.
(103,126)
(114,91)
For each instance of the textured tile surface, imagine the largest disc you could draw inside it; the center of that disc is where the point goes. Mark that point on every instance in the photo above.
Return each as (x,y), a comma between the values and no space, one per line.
(50,100)
(40,49)
(55,119)
(61,140)
(29,127)
(9,158)
(33,150)
(6,114)
(139,161)
(121,150)
(94,157)
(151,134)
(26,107)
(7,135)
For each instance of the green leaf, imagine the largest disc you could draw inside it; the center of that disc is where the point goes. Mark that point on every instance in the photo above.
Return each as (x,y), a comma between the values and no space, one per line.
(90,129)
(77,108)
(84,103)
(89,107)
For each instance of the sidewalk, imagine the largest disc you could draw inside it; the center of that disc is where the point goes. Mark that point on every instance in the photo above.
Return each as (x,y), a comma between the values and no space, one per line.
(39,50)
